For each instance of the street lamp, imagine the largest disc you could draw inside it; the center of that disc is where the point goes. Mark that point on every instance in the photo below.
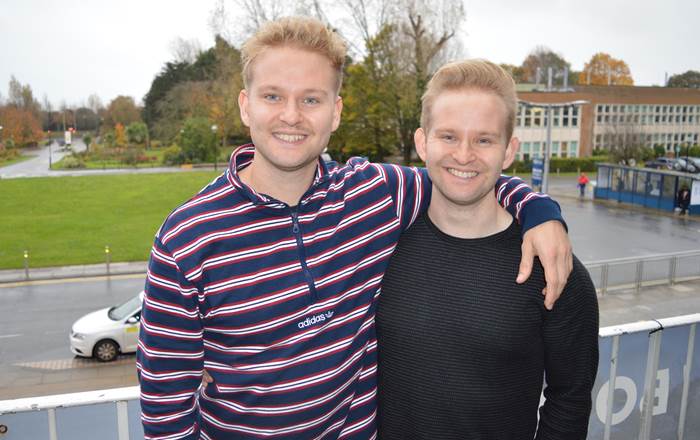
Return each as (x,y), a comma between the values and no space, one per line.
(548,106)
(214,129)
(48,134)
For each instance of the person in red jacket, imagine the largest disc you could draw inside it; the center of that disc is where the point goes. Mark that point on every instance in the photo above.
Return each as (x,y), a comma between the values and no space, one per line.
(582,181)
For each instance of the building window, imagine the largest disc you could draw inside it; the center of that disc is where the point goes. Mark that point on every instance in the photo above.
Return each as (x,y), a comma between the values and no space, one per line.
(573,149)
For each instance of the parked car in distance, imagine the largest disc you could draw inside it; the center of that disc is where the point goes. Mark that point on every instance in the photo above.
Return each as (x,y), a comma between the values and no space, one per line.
(663,163)
(106,333)
(677,164)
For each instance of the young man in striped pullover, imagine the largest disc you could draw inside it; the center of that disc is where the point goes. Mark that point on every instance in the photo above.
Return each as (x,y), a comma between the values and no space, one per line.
(268,278)
(462,347)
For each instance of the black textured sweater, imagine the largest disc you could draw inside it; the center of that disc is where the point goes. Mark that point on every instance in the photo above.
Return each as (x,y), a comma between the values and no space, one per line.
(463,349)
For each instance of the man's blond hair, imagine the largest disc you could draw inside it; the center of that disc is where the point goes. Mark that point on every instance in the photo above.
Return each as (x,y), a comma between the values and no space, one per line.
(298,32)
(472,74)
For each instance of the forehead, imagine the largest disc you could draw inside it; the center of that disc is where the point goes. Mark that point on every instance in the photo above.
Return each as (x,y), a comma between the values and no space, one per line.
(468,108)
(290,67)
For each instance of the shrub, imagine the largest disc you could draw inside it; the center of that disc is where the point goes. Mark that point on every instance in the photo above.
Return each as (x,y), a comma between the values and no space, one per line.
(134,156)
(173,155)
(73,162)
(563,164)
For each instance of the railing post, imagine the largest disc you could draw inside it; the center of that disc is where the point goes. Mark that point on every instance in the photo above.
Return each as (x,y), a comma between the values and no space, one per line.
(611,386)
(686,381)
(640,274)
(53,432)
(122,420)
(672,271)
(604,279)
(650,378)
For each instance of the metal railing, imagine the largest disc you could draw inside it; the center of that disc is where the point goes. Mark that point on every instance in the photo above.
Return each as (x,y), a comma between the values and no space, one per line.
(638,272)
(648,387)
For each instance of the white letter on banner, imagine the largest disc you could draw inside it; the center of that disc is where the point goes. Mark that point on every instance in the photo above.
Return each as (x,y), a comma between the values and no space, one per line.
(625,384)
(660,393)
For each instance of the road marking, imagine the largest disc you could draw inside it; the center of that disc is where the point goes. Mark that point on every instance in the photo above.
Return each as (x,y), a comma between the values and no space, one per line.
(72,280)
(75,363)
(16,335)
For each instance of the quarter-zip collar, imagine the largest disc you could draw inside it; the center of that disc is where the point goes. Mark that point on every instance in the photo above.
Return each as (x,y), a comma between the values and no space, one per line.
(243,156)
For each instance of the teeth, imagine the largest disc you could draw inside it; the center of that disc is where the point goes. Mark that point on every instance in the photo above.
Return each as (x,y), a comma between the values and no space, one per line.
(289,137)
(463,174)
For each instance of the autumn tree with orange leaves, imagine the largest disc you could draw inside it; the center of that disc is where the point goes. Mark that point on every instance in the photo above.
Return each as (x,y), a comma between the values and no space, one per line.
(603,70)
(19,125)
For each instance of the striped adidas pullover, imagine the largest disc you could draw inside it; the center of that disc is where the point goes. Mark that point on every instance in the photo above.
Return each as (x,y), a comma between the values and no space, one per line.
(278,302)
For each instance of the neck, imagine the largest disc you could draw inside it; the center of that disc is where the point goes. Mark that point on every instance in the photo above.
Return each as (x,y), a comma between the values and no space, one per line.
(287,186)
(480,219)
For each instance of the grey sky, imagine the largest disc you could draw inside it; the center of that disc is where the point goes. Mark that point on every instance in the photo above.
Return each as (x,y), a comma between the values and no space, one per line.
(72,48)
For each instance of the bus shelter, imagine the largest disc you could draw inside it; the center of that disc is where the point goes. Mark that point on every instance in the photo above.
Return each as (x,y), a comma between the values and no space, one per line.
(651,188)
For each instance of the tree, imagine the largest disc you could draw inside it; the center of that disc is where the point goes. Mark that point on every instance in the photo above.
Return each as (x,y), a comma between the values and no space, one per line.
(543,58)
(136,133)
(21,96)
(119,135)
(603,70)
(627,143)
(689,79)
(20,126)
(517,72)
(122,110)
(197,140)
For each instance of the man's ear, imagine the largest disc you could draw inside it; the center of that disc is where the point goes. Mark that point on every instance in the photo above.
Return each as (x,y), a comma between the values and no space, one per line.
(420,140)
(243,106)
(337,111)
(511,149)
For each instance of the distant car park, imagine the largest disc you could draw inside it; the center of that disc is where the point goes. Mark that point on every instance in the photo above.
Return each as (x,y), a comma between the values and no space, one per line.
(106,333)
(677,164)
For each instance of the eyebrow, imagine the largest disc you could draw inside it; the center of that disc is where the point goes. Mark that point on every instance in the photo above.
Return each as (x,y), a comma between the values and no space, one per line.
(271,88)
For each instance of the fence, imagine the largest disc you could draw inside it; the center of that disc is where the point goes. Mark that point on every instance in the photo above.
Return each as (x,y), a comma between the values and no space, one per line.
(638,272)
(648,387)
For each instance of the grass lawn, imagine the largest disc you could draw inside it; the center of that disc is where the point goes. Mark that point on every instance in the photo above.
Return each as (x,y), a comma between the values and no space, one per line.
(14,160)
(69,220)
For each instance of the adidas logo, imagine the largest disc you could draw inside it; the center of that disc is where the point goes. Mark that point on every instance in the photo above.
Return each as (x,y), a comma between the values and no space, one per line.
(321,317)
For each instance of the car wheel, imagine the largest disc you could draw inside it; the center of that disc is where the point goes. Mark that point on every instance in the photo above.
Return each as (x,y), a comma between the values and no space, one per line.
(105,350)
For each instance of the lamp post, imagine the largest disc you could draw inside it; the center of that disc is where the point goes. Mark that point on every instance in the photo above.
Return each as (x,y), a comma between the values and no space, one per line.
(214,129)
(548,106)
(48,134)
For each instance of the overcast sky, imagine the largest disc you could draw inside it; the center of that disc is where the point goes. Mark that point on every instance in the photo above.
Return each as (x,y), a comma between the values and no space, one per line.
(70,49)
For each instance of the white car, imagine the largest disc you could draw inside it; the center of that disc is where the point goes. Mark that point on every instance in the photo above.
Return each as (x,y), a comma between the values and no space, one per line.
(106,333)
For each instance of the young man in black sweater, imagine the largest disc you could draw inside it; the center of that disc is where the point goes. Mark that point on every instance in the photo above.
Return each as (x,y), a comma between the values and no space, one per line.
(463,350)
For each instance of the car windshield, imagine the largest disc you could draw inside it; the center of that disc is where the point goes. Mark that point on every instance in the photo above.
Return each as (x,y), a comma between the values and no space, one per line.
(117,313)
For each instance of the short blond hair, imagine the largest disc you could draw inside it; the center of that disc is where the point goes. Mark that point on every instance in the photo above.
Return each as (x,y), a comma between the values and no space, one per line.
(472,74)
(299,32)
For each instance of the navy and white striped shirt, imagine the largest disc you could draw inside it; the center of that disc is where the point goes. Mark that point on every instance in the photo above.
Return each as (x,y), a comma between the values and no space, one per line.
(278,302)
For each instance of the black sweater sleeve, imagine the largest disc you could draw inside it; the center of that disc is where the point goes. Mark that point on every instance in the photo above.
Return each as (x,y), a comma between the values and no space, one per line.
(570,335)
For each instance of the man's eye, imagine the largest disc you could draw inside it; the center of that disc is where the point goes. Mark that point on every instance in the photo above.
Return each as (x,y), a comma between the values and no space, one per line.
(447,137)
(271,97)
(311,101)
(485,141)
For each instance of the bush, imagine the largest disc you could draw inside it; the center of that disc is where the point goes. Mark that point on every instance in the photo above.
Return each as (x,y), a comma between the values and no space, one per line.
(134,156)
(156,144)
(73,162)
(563,164)
(173,155)
(197,141)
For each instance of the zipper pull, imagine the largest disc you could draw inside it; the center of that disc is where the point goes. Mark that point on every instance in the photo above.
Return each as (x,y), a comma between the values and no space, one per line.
(295,222)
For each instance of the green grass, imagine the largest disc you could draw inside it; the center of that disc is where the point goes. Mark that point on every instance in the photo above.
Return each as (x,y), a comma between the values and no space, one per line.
(69,220)
(14,160)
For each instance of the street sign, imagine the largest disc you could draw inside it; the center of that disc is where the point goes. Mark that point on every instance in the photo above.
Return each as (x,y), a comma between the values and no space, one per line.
(537,170)
(67,137)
